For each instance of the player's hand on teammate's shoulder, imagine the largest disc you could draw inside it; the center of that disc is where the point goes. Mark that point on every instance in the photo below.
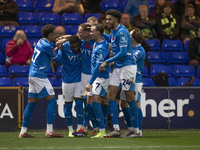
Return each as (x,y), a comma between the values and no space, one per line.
(88,87)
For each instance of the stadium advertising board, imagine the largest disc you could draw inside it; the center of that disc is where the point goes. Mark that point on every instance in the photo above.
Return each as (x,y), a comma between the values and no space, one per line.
(163,108)
(9,109)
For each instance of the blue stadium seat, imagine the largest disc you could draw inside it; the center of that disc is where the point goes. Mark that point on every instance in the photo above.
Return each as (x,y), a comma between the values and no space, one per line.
(20,81)
(50,72)
(27,18)
(97,15)
(172,45)
(32,30)
(148,82)
(8,31)
(172,82)
(43,5)
(108,4)
(72,18)
(3,43)
(48,17)
(153,43)
(198,72)
(145,72)
(33,41)
(123,3)
(71,29)
(186,45)
(53,81)
(24,5)
(18,70)
(183,81)
(183,71)
(2,57)
(59,71)
(3,71)
(155,69)
(178,58)
(155,57)
(5,81)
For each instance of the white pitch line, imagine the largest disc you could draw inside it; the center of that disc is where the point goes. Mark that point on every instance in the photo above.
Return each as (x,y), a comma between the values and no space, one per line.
(104,147)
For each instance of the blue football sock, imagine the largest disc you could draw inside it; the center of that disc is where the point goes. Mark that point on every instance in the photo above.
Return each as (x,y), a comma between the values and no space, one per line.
(134,113)
(127,116)
(93,119)
(88,107)
(96,107)
(79,111)
(28,114)
(85,100)
(51,110)
(68,113)
(140,118)
(105,110)
(114,111)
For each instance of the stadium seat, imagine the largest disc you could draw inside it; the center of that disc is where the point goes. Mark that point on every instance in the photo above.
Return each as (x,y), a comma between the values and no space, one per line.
(72,18)
(32,30)
(71,29)
(183,81)
(2,57)
(145,72)
(155,57)
(27,18)
(155,69)
(33,41)
(48,17)
(148,82)
(97,15)
(59,71)
(123,3)
(5,81)
(154,44)
(172,45)
(108,4)
(20,81)
(50,72)
(177,58)
(24,5)
(186,45)
(172,82)
(183,71)
(53,81)
(3,43)
(8,31)
(198,72)
(43,5)
(3,71)
(18,70)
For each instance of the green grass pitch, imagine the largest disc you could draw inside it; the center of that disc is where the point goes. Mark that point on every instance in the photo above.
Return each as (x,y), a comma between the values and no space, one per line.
(151,140)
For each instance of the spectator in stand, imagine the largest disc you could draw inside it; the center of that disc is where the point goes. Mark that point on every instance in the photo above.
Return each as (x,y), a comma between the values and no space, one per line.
(91,6)
(92,21)
(158,7)
(126,21)
(145,23)
(65,6)
(132,7)
(168,23)
(194,50)
(19,51)
(102,20)
(8,13)
(189,23)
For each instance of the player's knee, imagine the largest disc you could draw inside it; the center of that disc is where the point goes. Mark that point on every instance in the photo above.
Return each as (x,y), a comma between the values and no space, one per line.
(124,104)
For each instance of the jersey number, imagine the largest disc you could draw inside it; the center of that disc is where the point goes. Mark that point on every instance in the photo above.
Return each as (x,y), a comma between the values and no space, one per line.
(98,84)
(126,82)
(35,55)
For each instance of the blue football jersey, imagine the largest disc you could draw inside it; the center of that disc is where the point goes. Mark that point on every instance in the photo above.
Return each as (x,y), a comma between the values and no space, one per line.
(71,64)
(86,52)
(44,51)
(139,56)
(100,53)
(121,42)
